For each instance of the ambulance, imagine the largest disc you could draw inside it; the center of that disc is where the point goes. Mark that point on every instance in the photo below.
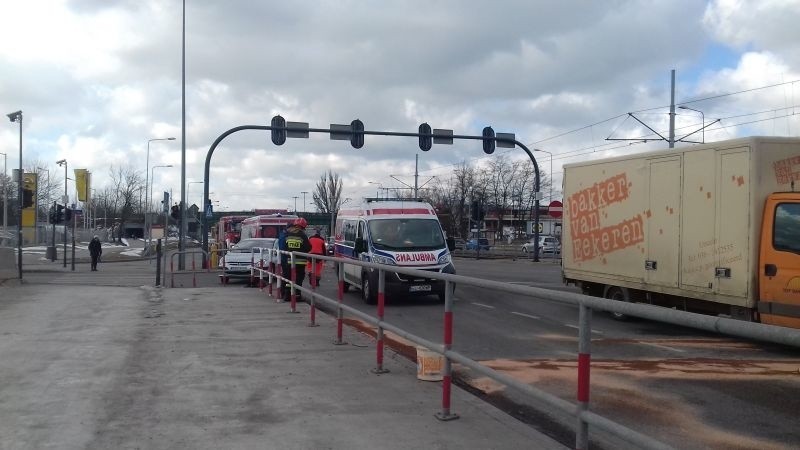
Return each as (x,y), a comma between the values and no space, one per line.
(393,232)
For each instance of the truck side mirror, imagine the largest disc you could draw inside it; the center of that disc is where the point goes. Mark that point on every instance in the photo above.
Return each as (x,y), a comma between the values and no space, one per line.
(451,244)
(361,246)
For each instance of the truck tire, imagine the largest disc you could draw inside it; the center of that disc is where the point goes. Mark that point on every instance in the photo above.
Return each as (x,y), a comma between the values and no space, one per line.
(622,295)
(367,295)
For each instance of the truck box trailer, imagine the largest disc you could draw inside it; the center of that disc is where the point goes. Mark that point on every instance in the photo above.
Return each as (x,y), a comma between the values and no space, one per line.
(712,227)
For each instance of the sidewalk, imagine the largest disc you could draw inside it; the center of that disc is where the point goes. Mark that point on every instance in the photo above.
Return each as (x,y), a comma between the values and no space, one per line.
(100,367)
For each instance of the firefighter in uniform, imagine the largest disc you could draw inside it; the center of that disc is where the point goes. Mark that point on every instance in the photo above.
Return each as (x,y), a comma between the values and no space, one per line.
(295,240)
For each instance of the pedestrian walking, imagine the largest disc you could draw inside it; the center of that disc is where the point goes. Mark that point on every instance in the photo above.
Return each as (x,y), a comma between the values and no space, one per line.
(318,247)
(95,250)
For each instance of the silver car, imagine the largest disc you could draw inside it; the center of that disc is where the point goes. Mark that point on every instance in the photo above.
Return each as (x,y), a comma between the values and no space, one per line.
(238,260)
(547,244)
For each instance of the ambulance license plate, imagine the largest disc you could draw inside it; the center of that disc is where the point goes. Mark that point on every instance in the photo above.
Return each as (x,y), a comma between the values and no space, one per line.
(420,288)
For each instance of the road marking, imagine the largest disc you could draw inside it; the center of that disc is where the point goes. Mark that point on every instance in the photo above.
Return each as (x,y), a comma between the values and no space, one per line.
(482,305)
(578,328)
(526,315)
(673,349)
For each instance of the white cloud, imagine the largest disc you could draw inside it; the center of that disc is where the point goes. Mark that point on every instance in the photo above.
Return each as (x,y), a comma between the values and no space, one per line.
(97,79)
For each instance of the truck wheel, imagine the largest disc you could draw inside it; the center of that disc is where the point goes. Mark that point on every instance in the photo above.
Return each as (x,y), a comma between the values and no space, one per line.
(622,295)
(366,291)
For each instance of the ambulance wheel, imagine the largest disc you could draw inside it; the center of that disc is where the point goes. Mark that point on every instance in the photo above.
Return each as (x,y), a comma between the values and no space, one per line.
(367,295)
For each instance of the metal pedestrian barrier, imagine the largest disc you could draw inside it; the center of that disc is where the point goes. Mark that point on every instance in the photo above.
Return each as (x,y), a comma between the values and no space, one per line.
(192,271)
(586,304)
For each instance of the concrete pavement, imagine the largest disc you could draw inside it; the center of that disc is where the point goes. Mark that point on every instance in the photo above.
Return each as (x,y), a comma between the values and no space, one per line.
(141,367)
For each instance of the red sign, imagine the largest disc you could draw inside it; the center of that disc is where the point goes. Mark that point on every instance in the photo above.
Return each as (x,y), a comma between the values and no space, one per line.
(555,209)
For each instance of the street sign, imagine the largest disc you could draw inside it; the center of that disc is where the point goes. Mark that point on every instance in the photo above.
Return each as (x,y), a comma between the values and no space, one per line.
(555,209)
(209,212)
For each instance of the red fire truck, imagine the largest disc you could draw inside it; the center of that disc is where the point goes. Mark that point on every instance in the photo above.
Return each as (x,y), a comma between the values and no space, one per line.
(265,225)
(229,230)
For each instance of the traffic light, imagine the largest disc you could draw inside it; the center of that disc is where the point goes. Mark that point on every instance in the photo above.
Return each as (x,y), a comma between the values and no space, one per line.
(425,142)
(165,202)
(27,198)
(357,136)
(488,144)
(278,136)
(59,217)
(67,214)
(474,210)
(175,213)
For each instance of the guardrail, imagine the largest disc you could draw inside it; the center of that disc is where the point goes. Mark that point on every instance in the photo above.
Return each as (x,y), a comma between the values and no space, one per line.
(193,271)
(586,304)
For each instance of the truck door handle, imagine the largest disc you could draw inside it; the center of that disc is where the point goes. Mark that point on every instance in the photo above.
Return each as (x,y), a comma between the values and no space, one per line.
(770,270)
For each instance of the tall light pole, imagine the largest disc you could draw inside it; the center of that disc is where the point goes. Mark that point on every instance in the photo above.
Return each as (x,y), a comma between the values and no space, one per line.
(150,200)
(182,228)
(147,183)
(703,119)
(295,204)
(17,117)
(66,200)
(5,193)
(304,200)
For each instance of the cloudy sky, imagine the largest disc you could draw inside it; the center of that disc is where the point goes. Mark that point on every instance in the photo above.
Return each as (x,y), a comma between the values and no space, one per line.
(96,79)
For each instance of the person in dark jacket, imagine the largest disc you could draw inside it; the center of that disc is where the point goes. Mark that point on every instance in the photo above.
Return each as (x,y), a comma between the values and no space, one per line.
(295,240)
(318,247)
(95,250)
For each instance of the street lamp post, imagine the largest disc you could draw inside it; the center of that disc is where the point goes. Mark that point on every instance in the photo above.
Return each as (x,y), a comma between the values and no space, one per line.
(702,119)
(17,117)
(66,199)
(149,200)
(147,182)
(295,204)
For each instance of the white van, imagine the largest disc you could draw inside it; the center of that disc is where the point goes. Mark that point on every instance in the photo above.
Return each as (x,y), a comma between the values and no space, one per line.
(394,232)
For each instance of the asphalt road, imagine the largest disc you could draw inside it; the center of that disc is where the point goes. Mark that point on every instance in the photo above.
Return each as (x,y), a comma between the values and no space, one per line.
(688,388)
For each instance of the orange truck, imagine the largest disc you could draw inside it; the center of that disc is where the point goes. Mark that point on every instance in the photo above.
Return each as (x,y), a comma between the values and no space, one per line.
(712,228)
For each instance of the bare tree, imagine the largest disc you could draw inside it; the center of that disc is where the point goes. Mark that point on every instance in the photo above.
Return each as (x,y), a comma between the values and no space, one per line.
(126,185)
(327,194)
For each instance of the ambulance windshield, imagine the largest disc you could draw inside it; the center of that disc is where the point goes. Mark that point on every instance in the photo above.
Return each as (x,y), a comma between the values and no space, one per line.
(406,234)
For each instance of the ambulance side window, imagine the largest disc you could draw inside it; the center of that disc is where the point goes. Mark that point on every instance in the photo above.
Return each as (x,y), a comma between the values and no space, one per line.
(361,242)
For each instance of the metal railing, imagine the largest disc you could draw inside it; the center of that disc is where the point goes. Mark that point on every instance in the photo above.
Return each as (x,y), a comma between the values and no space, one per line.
(586,304)
(193,270)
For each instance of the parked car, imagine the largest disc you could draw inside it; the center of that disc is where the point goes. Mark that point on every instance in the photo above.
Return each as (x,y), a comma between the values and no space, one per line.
(547,244)
(460,244)
(474,244)
(237,261)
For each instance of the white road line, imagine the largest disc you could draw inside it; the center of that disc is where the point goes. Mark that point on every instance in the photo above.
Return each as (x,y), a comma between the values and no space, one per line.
(578,328)
(526,315)
(482,305)
(672,349)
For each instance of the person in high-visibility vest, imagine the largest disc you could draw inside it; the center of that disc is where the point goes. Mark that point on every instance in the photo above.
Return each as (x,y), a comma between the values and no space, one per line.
(294,240)
(318,247)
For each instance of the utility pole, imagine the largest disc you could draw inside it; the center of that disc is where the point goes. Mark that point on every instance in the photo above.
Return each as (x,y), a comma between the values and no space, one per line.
(672,111)
(416,176)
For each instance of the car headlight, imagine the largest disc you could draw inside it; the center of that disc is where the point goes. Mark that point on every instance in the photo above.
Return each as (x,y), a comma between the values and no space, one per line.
(444,259)
(383,260)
